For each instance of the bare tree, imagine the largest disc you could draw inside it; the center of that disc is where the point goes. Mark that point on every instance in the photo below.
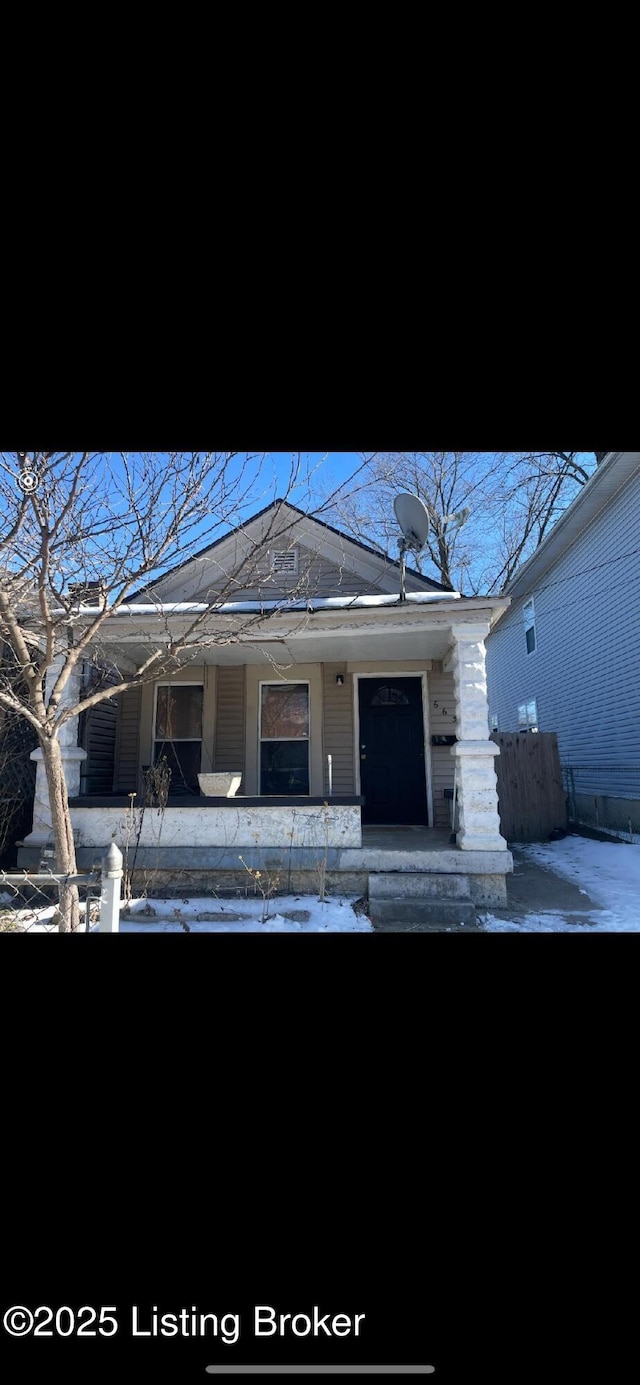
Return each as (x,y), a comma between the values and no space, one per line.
(80,532)
(487,511)
(538,487)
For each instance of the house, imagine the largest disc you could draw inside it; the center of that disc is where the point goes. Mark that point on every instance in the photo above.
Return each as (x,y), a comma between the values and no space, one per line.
(344,712)
(17,771)
(564,657)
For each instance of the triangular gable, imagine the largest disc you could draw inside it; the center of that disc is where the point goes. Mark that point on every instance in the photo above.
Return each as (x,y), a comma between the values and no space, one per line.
(282,550)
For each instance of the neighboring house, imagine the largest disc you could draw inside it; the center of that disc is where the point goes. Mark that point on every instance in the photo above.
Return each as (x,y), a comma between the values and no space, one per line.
(564,658)
(17,770)
(346,712)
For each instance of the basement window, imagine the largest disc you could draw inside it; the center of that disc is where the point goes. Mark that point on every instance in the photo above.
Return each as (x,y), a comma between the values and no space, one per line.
(529,616)
(528,716)
(285,560)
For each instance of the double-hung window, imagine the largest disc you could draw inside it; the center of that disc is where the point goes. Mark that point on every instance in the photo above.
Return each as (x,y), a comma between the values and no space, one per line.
(528,716)
(178,733)
(284,738)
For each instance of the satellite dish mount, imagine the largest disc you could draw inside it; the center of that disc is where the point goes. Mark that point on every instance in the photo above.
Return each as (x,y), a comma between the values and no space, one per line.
(413,518)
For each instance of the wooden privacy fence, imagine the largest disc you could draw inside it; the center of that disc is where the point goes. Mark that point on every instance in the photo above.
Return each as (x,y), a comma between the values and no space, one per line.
(531,798)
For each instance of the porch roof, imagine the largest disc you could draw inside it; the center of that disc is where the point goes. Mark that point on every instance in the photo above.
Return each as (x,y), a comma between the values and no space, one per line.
(326,630)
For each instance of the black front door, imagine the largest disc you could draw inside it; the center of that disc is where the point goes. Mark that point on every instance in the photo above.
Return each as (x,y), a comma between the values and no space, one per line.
(391,749)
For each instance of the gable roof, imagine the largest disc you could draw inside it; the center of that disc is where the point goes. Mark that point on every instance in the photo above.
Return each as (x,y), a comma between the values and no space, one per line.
(280,505)
(612,473)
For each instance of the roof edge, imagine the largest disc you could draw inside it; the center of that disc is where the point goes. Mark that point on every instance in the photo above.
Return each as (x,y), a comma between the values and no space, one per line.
(279,502)
(570,524)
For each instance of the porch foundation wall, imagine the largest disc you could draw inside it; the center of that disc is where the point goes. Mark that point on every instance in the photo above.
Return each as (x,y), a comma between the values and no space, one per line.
(216,829)
(169,872)
(237,884)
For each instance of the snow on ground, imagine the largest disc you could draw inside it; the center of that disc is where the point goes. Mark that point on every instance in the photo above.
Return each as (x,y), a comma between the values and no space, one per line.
(607,873)
(307,915)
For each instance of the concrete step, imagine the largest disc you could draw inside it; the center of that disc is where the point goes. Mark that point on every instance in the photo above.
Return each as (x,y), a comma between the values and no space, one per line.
(417,885)
(404,915)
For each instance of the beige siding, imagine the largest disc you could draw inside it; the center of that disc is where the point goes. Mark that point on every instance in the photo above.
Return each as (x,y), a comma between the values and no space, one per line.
(316,576)
(128,742)
(441,723)
(338,729)
(228,751)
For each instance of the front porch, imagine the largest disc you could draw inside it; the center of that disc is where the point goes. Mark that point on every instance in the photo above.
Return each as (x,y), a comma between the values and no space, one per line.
(214,846)
(392,732)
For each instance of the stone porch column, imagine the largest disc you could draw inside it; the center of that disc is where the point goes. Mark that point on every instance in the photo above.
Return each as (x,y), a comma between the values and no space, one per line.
(474,753)
(72,757)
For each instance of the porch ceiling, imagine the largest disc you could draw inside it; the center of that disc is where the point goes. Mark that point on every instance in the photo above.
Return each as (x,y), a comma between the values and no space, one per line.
(325,647)
(302,637)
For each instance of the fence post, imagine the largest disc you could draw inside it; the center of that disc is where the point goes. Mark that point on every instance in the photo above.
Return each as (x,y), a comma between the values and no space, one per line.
(110,894)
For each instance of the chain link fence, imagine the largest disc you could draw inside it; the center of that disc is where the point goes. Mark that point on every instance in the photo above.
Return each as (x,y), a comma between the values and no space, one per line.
(604,797)
(29,899)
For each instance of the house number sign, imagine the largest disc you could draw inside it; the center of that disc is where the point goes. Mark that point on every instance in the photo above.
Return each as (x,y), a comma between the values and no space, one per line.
(444,711)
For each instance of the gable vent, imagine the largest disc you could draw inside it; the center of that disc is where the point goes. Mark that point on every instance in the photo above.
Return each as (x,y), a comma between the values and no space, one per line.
(285,560)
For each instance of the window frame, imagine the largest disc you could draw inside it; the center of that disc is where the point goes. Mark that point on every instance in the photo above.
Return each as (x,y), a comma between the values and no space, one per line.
(176,740)
(530,624)
(168,683)
(534,727)
(276,740)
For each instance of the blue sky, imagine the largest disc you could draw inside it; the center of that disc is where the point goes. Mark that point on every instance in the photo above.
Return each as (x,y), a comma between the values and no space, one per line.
(326,471)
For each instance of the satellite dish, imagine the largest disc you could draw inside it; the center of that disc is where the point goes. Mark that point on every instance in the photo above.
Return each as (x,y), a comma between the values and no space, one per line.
(413,518)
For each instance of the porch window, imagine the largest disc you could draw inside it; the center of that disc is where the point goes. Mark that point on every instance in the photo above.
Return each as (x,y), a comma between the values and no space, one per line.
(178,733)
(284,738)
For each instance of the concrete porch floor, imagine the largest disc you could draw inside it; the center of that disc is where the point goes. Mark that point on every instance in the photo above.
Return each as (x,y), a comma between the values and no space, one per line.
(421,849)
